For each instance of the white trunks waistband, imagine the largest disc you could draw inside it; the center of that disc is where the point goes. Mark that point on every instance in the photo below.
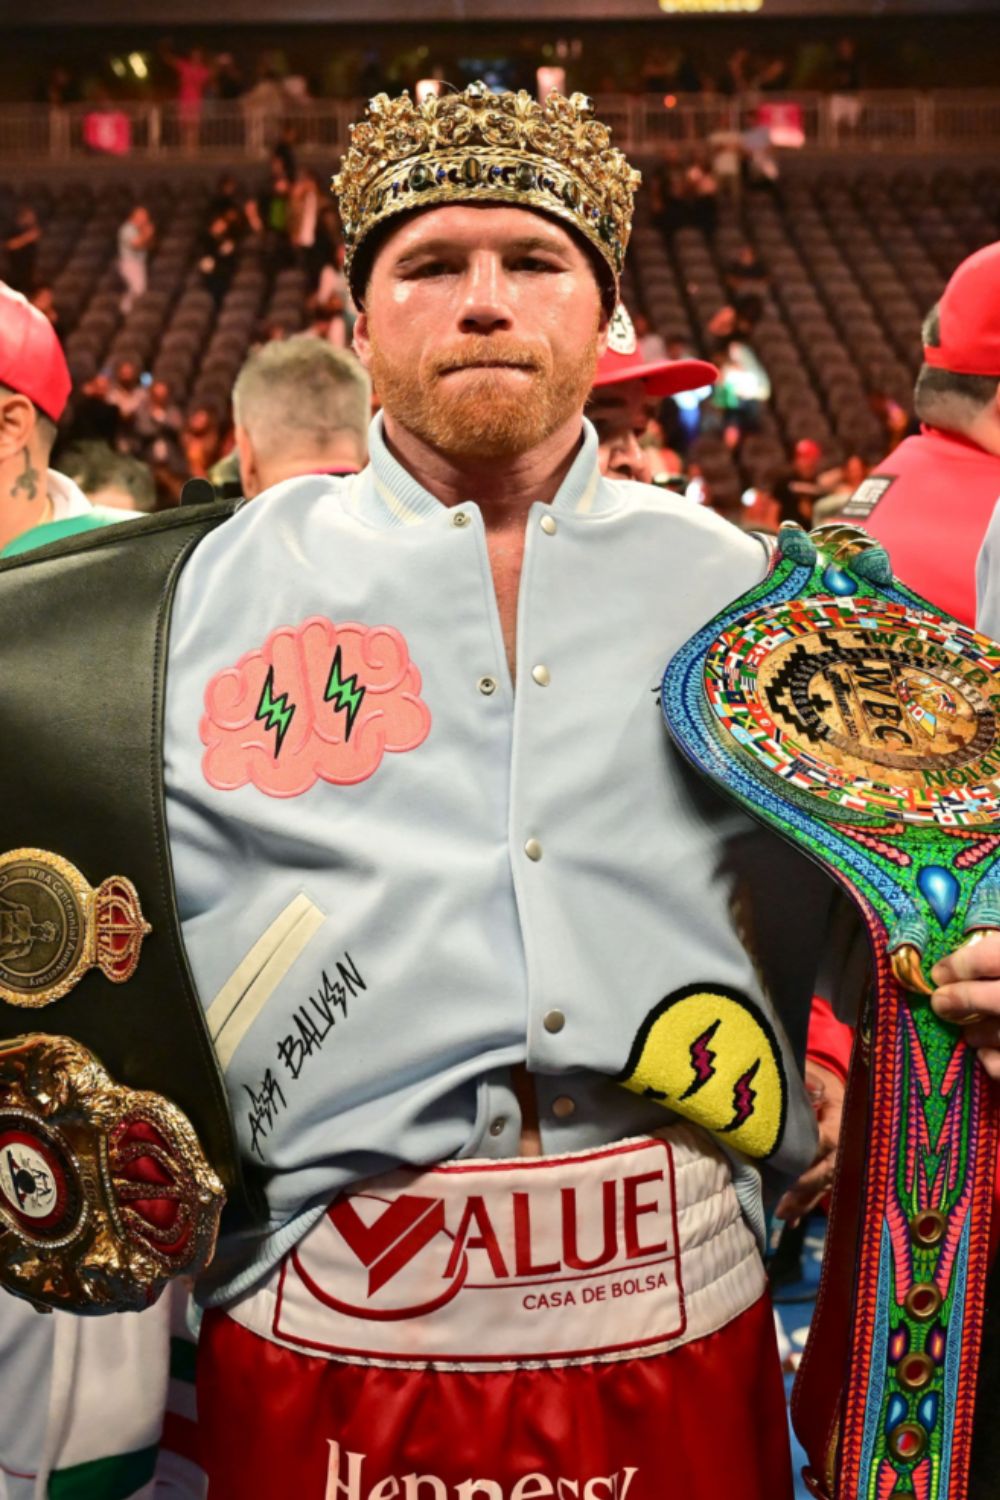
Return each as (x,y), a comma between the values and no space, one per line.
(621,1252)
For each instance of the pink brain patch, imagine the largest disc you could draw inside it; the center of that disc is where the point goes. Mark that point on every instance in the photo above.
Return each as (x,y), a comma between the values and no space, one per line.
(317,702)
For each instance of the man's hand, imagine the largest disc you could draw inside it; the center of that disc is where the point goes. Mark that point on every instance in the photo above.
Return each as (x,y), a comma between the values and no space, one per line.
(968,993)
(826,1090)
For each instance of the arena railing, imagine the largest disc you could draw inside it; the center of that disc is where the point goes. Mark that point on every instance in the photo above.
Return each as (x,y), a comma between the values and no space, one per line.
(245,130)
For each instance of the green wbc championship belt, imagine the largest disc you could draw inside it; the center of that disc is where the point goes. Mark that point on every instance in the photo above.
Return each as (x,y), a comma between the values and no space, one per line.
(864,725)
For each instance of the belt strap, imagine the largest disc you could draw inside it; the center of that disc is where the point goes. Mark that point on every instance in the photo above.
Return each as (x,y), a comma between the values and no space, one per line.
(84,625)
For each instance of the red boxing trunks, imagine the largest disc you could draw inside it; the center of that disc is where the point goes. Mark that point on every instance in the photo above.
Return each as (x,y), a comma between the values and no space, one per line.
(587,1327)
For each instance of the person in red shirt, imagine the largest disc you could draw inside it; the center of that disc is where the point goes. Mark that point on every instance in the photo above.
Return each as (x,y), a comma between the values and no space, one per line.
(194,74)
(930,501)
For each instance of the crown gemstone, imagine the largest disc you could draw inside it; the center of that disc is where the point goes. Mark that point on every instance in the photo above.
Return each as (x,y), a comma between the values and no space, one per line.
(524,176)
(420,177)
(571,194)
(472,172)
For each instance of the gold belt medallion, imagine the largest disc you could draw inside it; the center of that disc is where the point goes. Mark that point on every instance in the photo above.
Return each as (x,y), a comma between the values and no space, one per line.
(105,1192)
(54,927)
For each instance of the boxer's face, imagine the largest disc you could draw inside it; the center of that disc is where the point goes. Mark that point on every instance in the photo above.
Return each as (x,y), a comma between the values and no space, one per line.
(482,328)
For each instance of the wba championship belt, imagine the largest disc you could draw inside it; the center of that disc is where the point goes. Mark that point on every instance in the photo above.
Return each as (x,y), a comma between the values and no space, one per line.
(105,1193)
(861,723)
(117,1151)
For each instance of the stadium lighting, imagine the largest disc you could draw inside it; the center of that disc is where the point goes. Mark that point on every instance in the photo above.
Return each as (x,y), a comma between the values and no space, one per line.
(138,64)
(705,7)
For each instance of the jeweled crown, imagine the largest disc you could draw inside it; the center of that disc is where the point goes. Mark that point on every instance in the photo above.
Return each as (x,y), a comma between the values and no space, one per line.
(480,147)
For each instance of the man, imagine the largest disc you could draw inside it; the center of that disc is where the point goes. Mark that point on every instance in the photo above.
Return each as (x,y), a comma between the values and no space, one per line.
(22,250)
(627,390)
(480,548)
(34,389)
(930,501)
(628,387)
(300,407)
(128,396)
(498,991)
(135,240)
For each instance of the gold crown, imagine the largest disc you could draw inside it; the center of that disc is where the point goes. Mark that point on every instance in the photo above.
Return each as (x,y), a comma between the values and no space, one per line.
(479,147)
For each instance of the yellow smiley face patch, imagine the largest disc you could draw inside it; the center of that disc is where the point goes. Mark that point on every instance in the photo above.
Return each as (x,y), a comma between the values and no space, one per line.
(709,1055)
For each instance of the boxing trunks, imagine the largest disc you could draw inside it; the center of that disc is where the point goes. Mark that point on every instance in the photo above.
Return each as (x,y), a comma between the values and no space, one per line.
(593,1326)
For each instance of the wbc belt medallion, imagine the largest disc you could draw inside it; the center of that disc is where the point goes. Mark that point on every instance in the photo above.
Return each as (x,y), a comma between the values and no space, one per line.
(54,927)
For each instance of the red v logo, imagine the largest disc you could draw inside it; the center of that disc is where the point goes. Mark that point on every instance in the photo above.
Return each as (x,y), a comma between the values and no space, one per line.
(399,1233)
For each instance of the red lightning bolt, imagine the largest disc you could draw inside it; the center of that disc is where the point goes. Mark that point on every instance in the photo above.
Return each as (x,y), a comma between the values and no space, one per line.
(702,1060)
(743,1098)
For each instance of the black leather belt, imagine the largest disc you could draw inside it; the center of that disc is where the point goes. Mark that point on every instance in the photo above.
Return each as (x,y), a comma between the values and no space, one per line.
(84,625)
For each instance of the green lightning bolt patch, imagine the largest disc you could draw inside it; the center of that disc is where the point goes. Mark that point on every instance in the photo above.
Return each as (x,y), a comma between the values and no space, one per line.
(344,692)
(277,713)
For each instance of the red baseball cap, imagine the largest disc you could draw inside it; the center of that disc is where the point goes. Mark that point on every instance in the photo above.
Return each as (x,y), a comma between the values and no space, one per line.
(969,318)
(31,359)
(622,360)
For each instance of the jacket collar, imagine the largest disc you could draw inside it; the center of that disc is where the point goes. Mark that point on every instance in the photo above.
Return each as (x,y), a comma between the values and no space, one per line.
(386,494)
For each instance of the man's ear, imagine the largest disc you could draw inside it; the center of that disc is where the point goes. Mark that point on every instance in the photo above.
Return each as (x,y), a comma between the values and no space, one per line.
(362,341)
(18,425)
(249,471)
(603,326)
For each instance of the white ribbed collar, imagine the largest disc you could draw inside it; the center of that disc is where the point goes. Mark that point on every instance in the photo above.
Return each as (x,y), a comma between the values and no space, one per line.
(386,494)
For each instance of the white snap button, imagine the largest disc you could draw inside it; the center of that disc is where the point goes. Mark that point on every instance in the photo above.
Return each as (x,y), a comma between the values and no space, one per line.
(533,849)
(487,685)
(548,525)
(541,675)
(553,1020)
(563,1107)
(460,518)
(498,1126)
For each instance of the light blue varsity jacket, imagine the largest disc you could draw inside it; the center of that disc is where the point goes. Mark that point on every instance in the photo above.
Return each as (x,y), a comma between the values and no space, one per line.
(399,874)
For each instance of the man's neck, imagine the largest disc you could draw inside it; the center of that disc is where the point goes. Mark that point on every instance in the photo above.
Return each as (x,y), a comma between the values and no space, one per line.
(984,430)
(24,496)
(504,489)
(337,458)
